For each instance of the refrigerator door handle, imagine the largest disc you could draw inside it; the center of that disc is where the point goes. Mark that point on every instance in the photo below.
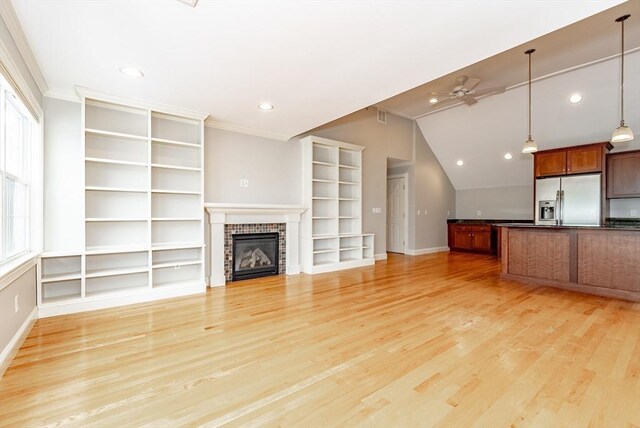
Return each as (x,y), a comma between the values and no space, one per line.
(558,202)
(561,206)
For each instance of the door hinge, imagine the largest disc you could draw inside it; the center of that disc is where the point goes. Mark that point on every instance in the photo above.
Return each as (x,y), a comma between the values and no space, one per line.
(402,242)
(403,187)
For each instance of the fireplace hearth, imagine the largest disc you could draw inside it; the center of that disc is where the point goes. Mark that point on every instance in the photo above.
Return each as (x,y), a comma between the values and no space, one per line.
(254,255)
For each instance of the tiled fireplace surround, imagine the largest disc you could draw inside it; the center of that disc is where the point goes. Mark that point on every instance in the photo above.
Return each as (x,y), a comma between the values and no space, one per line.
(226,219)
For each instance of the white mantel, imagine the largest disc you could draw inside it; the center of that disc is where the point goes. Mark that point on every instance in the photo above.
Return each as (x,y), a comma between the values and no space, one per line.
(221,214)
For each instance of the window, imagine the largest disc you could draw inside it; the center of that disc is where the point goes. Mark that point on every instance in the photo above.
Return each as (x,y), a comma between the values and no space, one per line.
(17,132)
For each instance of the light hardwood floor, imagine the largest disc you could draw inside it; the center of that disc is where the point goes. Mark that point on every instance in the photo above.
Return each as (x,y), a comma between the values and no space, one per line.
(434,340)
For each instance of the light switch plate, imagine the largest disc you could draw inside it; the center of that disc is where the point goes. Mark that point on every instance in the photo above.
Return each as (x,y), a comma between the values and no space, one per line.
(479,213)
(633,213)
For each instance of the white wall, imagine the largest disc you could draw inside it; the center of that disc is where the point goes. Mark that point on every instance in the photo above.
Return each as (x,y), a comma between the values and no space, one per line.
(500,203)
(63,166)
(624,208)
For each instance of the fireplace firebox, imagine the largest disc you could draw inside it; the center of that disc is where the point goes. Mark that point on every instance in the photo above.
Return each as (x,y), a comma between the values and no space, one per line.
(254,255)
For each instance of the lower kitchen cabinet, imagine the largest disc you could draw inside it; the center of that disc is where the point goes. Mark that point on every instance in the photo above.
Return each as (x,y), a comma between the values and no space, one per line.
(471,237)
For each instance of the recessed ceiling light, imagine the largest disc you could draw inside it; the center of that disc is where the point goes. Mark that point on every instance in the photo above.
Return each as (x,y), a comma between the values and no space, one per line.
(191,3)
(508,156)
(265,106)
(131,72)
(460,162)
(575,98)
(433,100)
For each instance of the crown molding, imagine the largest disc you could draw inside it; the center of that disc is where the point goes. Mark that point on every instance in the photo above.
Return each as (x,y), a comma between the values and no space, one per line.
(161,108)
(242,130)
(60,95)
(10,18)
(10,70)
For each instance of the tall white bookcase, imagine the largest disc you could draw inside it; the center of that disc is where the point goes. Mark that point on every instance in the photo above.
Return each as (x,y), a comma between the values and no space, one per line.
(332,237)
(143,228)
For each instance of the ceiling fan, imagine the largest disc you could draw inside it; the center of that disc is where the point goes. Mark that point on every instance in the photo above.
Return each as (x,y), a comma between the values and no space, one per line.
(464,91)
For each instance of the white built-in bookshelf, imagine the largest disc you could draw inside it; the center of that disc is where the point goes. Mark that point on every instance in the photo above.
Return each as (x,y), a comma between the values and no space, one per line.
(143,203)
(332,237)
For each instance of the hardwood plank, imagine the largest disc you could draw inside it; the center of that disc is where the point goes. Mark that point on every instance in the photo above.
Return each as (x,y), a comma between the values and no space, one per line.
(435,340)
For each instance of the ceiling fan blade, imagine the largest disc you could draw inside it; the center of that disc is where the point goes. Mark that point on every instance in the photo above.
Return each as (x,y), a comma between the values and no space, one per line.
(440,94)
(471,83)
(444,100)
(469,100)
(486,91)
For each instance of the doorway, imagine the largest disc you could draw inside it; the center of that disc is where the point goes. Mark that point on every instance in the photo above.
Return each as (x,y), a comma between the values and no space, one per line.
(397,213)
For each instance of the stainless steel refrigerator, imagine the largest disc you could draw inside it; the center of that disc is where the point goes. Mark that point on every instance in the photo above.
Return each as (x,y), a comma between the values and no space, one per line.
(570,201)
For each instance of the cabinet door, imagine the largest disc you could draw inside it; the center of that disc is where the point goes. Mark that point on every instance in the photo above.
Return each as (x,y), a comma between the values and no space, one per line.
(463,238)
(623,175)
(551,163)
(482,238)
(584,159)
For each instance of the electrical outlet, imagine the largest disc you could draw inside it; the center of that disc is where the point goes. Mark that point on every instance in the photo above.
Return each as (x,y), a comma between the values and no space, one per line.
(448,212)
(633,213)
(426,212)
(418,212)
(479,213)
(17,303)
(244,182)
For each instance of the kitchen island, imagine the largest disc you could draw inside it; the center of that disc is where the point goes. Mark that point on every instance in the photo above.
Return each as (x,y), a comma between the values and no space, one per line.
(597,260)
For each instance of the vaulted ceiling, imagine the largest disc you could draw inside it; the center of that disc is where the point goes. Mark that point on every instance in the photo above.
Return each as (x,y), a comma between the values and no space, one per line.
(315,61)
(582,58)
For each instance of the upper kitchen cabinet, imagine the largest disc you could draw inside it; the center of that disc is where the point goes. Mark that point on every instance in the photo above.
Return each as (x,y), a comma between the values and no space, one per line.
(571,160)
(623,175)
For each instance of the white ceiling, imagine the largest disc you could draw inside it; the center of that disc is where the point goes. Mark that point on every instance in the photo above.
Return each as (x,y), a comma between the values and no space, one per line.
(315,61)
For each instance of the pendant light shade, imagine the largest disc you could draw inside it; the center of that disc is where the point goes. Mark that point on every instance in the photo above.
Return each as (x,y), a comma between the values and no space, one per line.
(622,133)
(530,145)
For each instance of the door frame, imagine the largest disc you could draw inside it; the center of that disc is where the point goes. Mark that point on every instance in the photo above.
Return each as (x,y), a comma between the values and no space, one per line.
(404,175)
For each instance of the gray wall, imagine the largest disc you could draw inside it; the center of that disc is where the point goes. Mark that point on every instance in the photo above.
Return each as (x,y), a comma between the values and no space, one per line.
(502,203)
(272,167)
(434,193)
(391,140)
(10,320)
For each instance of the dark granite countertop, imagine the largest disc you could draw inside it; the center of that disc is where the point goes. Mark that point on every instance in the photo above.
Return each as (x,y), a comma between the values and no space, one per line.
(485,221)
(529,225)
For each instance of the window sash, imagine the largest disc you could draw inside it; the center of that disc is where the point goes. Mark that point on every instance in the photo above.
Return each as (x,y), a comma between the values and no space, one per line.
(15,189)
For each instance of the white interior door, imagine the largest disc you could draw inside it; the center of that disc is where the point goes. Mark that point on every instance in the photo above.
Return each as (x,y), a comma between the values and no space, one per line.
(395,215)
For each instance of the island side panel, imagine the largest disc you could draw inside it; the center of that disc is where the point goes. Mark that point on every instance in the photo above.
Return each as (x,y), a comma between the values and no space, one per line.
(609,259)
(539,254)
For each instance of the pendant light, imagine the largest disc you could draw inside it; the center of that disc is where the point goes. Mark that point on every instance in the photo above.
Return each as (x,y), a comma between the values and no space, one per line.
(622,133)
(530,145)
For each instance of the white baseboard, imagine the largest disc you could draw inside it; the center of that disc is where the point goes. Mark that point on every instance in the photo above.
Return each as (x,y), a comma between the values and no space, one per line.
(16,342)
(91,304)
(422,251)
(381,256)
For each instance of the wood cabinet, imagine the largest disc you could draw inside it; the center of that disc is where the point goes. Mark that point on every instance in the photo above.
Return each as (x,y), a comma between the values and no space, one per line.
(470,237)
(550,163)
(571,160)
(623,175)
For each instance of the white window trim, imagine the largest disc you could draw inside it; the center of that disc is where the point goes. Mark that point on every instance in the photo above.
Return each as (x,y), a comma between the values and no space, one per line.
(27,258)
